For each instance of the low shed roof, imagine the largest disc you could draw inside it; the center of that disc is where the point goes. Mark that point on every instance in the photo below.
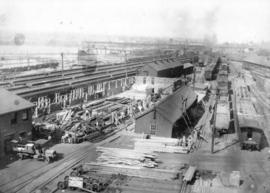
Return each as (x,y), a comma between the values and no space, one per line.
(188,65)
(164,64)
(10,102)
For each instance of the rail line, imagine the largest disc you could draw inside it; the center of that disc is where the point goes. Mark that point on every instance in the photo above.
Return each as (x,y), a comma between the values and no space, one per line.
(17,184)
(66,72)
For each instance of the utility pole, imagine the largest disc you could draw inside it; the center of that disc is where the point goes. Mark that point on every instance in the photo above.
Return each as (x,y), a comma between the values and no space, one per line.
(194,77)
(213,125)
(78,59)
(62,56)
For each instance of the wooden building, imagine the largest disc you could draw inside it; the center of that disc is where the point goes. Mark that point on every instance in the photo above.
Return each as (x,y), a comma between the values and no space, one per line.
(160,119)
(15,120)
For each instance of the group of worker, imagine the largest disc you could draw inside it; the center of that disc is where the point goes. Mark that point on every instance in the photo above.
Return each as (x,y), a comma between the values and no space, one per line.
(187,141)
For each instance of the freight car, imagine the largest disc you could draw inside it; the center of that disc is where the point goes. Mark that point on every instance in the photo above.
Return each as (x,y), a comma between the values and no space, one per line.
(222,116)
(212,70)
(25,67)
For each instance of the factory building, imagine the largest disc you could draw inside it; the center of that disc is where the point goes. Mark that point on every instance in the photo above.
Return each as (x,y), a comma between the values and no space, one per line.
(160,119)
(15,120)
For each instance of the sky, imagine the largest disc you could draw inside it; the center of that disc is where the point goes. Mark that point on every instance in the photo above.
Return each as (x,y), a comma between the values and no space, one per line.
(230,20)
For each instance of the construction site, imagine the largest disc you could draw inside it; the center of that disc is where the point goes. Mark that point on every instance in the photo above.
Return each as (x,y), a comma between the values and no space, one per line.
(152,115)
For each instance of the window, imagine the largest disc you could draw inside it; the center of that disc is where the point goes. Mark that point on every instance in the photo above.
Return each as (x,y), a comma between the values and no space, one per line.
(144,80)
(13,118)
(153,129)
(25,115)
(146,73)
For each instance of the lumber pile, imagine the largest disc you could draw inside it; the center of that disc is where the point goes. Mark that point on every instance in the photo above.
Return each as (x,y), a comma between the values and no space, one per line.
(116,156)
(164,145)
(86,121)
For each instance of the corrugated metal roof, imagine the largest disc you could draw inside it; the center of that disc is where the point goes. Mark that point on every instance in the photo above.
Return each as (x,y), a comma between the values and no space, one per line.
(10,102)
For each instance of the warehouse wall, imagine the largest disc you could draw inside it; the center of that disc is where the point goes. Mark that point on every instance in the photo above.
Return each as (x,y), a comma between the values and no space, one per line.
(10,131)
(142,122)
(163,126)
(148,71)
(50,102)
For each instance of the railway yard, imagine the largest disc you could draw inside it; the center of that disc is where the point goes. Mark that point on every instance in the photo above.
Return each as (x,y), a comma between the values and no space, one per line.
(147,124)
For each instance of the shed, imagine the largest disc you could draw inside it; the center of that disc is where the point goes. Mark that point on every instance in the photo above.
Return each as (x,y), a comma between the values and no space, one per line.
(160,119)
(188,68)
(15,119)
(163,68)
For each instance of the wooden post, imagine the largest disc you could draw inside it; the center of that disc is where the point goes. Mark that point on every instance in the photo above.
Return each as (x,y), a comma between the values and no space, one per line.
(62,57)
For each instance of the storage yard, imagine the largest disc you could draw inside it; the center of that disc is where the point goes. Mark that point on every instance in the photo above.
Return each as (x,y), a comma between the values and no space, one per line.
(83,113)
(113,142)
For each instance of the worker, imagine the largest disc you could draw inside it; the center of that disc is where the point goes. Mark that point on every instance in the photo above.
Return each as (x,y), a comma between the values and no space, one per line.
(210,109)
(184,141)
(69,138)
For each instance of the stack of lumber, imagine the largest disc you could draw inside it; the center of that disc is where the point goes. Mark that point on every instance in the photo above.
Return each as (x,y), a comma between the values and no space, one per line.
(116,156)
(158,144)
(202,186)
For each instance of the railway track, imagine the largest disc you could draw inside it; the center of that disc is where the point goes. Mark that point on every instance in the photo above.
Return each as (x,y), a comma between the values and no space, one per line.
(29,92)
(41,85)
(47,173)
(69,72)
(20,182)
(23,181)
(76,73)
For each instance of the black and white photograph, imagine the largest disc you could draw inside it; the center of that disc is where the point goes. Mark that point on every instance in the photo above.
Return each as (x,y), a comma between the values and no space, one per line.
(135,96)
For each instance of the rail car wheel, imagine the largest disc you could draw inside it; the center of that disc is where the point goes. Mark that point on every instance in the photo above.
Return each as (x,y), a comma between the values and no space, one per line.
(21,156)
(61,185)
(118,190)
(114,190)
(48,159)
(66,178)
(89,186)
(74,173)
(95,188)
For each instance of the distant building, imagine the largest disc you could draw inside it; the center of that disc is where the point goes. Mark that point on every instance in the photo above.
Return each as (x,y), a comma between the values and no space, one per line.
(255,60)
(160,119)
(15,120)
(188,69)
(169,68)
(162,68)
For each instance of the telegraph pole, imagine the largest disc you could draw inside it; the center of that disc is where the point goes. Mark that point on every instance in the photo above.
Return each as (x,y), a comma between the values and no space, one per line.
(213,125)
(62,56)
(194,77)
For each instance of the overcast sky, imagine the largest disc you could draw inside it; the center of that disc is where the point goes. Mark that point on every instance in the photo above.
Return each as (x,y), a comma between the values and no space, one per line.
(230,20)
